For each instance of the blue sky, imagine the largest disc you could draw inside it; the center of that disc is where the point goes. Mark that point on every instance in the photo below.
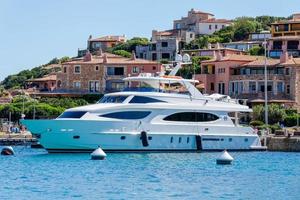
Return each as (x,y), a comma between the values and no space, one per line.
(32,32)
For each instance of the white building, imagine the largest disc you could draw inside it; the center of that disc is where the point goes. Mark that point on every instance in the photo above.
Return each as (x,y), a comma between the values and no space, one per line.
(209,26)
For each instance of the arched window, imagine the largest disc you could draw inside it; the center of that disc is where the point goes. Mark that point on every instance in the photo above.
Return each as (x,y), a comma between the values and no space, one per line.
(127,115)
(191,117)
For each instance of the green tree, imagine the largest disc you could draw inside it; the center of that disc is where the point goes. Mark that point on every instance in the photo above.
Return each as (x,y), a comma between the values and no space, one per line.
(275,113)
(123,53)
(257,51)
(243,27)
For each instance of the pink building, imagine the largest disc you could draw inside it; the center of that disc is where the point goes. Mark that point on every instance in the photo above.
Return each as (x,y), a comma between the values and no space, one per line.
(242,77)
(215,73)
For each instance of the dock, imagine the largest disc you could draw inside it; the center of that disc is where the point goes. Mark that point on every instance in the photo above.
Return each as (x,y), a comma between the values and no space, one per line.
(7,139)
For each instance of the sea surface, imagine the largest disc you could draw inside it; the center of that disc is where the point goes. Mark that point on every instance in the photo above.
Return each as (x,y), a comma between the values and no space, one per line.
(35,174)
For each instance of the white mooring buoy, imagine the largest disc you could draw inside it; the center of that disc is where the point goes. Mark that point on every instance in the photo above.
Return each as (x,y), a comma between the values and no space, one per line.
(7,151)
(98,154)
(225,158)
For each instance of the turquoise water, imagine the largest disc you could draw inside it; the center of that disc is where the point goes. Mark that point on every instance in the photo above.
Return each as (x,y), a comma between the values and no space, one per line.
(34,174)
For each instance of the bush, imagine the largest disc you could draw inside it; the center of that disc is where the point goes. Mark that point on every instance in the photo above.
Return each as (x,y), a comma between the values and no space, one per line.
(256,123)
(273,127)
(291,120)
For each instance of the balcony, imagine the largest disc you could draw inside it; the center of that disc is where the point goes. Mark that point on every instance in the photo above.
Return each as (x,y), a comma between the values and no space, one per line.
(250,77)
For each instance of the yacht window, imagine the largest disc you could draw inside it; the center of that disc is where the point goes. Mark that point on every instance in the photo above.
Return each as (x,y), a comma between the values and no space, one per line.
(192,117)
(127,115)
(112,99)
(140,99)
(72,114)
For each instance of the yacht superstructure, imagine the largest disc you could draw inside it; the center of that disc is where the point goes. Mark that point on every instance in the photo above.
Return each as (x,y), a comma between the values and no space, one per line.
(155,116)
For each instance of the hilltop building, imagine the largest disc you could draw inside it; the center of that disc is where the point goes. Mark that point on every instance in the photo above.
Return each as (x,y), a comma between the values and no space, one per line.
(201,23)
(166,44)
(95,44)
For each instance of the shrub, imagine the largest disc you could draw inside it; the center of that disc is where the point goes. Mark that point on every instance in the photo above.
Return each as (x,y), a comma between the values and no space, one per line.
(291,120)
(256,123)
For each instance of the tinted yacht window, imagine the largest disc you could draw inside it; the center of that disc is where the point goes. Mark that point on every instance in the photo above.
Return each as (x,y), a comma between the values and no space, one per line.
(127,115)
(72,114)
(191,117)
(112,99)
(140,99)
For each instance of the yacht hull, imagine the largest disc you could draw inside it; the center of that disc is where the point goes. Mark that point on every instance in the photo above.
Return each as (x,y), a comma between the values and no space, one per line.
(58,136)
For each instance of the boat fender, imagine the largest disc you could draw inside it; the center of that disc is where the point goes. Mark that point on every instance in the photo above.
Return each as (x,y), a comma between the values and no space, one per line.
(7,151)
(144,139)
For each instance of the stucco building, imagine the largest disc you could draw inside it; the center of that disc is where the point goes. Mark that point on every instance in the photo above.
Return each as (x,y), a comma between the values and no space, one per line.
(242,77)
(201,23)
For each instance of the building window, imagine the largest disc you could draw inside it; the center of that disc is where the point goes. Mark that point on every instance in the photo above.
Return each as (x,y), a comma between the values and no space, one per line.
(209,27)
(135,70)
(280,87)
(94,86)
(223,26)
(216,26)
(179,140)
(221,88)
(212,86)
(287,71)
(164,44)
(288,89)
(252,87)
(97,68)
(115,71)
(77,69)
(165,56)
(154,68)
(58,83)
(65,70)
(77,84)
(154,56)
(191,35)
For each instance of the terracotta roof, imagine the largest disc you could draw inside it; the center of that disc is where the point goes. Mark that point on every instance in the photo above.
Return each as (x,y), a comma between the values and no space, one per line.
(261,62)
(213,20)
(111,59)
(51,77)
(107,38)
(293,61)
(234,57)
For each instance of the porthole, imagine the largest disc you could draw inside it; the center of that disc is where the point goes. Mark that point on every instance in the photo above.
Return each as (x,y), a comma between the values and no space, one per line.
(149,138)
(222,139)
(171,141)
(246,139)
(179,140)
(76,137)
(187,140)
(123,137)
(230,139)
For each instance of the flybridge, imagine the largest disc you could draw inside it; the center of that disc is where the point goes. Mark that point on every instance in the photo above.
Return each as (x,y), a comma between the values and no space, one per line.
(159,82)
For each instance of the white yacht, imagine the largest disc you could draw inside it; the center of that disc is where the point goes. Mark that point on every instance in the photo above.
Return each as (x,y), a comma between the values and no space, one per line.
(159,117)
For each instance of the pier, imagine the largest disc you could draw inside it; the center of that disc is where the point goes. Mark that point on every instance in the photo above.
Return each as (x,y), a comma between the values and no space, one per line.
(16,139)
